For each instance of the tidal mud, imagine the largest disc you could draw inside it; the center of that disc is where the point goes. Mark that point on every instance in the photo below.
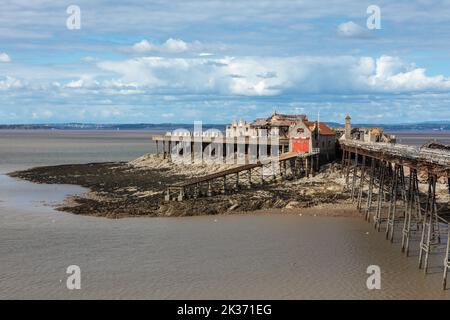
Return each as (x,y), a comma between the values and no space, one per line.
(128,189)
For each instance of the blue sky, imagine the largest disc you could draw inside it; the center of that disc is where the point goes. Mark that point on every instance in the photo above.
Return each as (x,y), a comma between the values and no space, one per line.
(181,61)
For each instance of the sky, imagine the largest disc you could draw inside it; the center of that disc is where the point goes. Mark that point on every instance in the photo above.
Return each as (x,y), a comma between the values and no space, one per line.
(181,61)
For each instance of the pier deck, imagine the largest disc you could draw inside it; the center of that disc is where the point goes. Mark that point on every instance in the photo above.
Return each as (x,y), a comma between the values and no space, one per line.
(166,143)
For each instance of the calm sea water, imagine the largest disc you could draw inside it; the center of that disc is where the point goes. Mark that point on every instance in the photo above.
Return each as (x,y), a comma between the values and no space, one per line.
(421,137)
(26,148)
(239,256)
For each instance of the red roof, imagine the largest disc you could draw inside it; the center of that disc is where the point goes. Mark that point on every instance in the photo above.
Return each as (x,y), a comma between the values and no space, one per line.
(323,128)
(287,120)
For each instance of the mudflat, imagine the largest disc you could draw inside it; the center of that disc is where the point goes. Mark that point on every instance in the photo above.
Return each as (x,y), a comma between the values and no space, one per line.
(136,188)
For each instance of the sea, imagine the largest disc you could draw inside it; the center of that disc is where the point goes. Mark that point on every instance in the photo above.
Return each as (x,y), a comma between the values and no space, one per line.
(262,255)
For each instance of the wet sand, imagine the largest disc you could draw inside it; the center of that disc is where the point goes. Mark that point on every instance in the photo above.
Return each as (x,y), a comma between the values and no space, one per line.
(120,190)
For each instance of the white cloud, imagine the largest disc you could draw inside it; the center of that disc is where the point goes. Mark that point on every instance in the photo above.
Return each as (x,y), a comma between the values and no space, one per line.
(240,76)
(175,45)
(143,46)
(392,74)
(170,46)
(4,57)
(352,30)
(85,81)
(10,83)
(258,76)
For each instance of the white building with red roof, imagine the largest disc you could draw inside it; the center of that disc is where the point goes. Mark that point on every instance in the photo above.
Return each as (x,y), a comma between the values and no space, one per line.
(295,131)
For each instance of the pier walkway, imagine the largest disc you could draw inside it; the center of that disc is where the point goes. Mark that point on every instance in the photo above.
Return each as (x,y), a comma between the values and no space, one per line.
(387,183)
(290,164)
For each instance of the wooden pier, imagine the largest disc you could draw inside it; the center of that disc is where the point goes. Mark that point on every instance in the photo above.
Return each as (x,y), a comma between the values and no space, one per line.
(166,144)
(384,181)
(291,164)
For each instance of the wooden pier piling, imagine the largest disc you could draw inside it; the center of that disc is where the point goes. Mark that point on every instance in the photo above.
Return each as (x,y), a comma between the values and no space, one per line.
(398,200)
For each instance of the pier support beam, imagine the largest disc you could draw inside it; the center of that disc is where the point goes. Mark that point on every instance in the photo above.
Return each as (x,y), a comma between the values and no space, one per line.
(164,149)
(399,198)
(380,196)
(446,261)
(429,224)
(224,188)
(355,175)
(412,207)
(361,183)
(347,174)
(390,223)
(370,191)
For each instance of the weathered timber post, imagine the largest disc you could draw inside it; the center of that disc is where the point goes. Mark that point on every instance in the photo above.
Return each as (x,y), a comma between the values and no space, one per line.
(446,261)
(412,193)
(361,183)
(403,190)
(392,204)
(377,218)
(347,175)
(293,167)
(307,167)
(167,195)
(209,191)
(302,171)
(181,194)
(417,202)
(164,148)
(272,169)
(428,222)
(370,193)
(262,174)
(355,175)
(447,252)
(318,163)
(196,191)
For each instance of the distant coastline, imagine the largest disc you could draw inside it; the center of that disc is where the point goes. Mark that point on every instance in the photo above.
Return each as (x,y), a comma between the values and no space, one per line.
(422,126)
